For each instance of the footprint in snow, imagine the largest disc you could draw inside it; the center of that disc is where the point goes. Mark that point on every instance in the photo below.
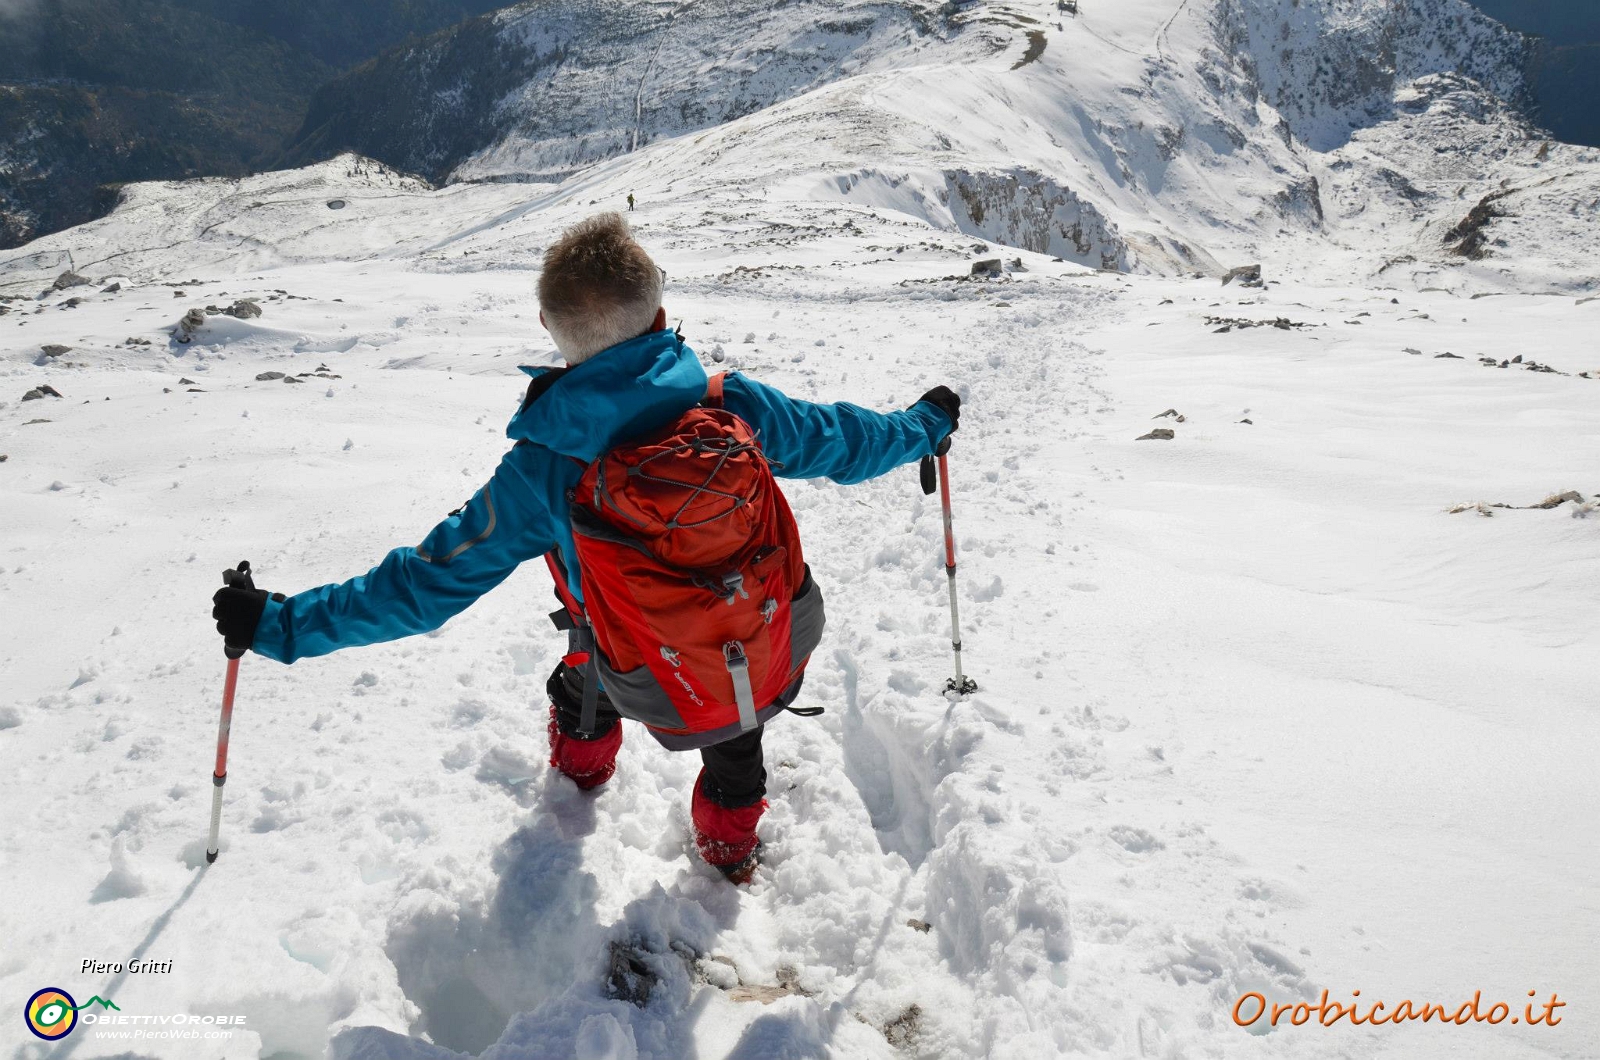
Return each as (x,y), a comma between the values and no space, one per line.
(1134,840)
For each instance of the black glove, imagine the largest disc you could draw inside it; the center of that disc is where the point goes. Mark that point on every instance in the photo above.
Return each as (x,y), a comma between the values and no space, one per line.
(948,402)
(237,607)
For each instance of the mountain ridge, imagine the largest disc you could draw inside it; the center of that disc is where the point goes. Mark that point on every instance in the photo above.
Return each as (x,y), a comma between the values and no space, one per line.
(97,93)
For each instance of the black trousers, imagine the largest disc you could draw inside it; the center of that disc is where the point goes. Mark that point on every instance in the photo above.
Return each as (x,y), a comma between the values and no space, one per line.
(735,772)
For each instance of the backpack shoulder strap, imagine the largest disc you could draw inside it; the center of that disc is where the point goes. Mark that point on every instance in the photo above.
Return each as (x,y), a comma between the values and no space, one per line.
(569,603)
(713,396)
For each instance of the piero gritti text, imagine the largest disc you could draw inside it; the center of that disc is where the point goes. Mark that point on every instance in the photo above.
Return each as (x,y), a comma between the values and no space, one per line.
(134,967)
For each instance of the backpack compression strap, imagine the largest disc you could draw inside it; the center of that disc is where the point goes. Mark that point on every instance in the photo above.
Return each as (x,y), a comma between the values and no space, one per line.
(571,619)
(713,396)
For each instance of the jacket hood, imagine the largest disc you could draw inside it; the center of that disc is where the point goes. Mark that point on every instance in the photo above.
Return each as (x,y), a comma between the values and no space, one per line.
(619,393)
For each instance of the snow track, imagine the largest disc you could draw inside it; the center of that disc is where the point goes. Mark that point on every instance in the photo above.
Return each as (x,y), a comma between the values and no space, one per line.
(882,814)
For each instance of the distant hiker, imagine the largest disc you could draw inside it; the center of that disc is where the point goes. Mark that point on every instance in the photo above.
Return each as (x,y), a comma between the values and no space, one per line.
(630,202)
(648,489)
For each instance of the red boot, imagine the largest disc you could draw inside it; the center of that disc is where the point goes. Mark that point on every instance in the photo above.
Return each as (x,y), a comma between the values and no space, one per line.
(726,836)
(589,763)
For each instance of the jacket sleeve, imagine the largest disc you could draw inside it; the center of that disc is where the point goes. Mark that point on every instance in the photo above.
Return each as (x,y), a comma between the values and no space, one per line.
(415,590)
(842,442)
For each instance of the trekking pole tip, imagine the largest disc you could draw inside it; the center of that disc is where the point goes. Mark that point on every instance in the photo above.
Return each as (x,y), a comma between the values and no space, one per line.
(211,857)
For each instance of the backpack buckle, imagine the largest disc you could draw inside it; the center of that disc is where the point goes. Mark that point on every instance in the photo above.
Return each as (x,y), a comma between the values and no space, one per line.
(671,656)
(734,583)
(769,609)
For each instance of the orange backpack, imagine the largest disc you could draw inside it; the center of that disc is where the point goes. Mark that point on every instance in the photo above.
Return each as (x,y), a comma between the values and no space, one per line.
(700,610)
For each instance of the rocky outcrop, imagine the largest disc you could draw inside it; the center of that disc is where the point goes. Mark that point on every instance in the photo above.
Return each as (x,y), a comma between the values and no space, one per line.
(1023,209)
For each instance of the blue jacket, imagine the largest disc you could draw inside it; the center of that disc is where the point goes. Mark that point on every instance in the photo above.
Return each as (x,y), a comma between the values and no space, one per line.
(521,513)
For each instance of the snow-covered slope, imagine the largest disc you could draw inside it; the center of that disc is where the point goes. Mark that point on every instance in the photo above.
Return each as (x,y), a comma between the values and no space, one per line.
(1257,712)
(1168,136)
(549,86)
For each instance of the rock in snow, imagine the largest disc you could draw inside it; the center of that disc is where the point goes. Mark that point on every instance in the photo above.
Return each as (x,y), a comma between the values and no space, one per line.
(1247,275)
(192,322)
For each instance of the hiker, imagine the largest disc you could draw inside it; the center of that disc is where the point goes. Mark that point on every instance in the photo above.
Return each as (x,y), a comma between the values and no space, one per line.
(647,487)
(630,202)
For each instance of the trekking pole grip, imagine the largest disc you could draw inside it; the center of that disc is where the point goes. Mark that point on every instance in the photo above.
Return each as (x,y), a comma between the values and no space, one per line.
(237,578)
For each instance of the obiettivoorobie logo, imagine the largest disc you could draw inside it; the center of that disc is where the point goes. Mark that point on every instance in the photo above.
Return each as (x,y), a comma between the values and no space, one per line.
(51,1013)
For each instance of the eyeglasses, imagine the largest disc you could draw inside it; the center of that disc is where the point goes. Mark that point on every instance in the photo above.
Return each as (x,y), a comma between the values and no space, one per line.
(663,273)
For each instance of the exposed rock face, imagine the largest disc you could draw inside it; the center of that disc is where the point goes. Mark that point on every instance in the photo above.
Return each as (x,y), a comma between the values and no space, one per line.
(1024,209)
(1470,238)
(1247,275)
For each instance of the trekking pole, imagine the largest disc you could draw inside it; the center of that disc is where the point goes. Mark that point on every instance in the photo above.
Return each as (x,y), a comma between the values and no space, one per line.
(937,476)
(241,578)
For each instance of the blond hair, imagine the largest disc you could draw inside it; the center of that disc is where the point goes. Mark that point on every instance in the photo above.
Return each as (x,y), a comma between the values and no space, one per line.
(598,288)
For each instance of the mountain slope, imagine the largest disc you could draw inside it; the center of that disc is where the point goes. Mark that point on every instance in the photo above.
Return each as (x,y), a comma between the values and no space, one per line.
(98,93)
(1565,64)
(555,85)
(129,90)
(346,33)
(1171,136)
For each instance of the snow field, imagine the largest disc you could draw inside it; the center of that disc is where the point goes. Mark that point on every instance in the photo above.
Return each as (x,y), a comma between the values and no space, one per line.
(1256,714)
